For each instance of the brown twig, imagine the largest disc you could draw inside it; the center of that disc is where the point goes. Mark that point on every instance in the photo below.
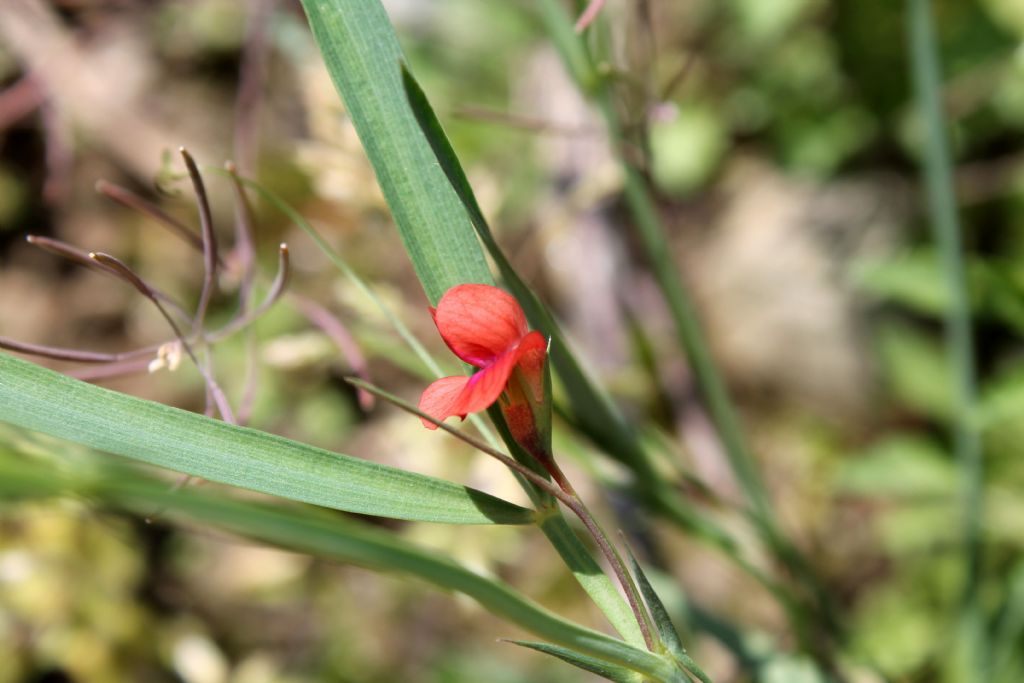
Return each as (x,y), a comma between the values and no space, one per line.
(332,326)
(19,100)
(129,276)
(589,14)
(209,240)
(277,288)
(129,199)
(73,355)
(244,236)
(93,373)
(81,257)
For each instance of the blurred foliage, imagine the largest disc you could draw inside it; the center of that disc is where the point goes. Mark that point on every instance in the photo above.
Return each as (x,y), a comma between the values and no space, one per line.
(766,127)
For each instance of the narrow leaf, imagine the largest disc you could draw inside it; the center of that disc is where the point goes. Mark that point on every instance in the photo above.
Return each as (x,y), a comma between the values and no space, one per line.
(329,536)
(591,577)
(591,408)
(42,400)
(362,55)
(662,621)
(594,666)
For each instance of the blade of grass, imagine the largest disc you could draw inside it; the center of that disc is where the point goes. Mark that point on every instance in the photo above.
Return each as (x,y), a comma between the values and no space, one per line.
(329,536)
(591,407)
(666,629)
(362,52)
(35,398)
(607,671)
(378,115)
(941,196)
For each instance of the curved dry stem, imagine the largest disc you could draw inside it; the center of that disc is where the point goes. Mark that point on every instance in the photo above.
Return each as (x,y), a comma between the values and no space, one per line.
(332,326)
(130,276)
(209,239)
(129,199)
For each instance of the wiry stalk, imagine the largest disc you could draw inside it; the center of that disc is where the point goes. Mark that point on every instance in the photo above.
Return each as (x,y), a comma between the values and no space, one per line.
(941,196)
(564,493)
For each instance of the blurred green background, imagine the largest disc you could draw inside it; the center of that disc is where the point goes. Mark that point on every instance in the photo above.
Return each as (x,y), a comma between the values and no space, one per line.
(782,141)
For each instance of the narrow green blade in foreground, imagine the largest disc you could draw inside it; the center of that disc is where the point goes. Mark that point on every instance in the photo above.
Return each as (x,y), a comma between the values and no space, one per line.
(364,59)
(35,398)
(329,536)
(594,666)
(362,55)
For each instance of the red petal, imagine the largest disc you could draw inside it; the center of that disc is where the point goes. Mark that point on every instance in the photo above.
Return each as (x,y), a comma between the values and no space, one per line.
(479,322)
(485,386)
(532,351)
(439,398)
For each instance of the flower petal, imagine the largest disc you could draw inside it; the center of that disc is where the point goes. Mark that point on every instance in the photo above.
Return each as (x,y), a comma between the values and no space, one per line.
(479,322)
(485,386)
(532,352)
(439,398)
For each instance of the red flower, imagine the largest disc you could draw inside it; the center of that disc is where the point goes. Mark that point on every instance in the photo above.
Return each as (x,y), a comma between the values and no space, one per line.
(486,327)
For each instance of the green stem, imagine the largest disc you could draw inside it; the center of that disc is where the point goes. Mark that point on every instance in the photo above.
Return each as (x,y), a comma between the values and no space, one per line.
(615,561)
(564,493)
(938,176)
(706,375)
(652,235)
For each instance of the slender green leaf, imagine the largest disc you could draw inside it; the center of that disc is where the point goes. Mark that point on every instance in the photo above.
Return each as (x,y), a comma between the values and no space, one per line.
(688,328)
(362,55)
(313,531)
(663,622)
(591,577)
(595,413)
(659,614)
(42,400)
(594,666)
(972,652)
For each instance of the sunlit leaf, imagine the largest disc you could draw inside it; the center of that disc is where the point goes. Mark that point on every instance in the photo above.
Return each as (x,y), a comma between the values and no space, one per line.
(362,55)
(594,666)
(42,400)
(330,536)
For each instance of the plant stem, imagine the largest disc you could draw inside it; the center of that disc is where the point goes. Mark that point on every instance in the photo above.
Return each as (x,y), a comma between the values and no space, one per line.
(564,493)
(593,83)
(580,509)
(938,175)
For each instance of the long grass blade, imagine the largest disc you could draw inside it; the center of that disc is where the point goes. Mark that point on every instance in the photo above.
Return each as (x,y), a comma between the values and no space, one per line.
(35,398)
(329,536)
(362,55)
(941,196)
